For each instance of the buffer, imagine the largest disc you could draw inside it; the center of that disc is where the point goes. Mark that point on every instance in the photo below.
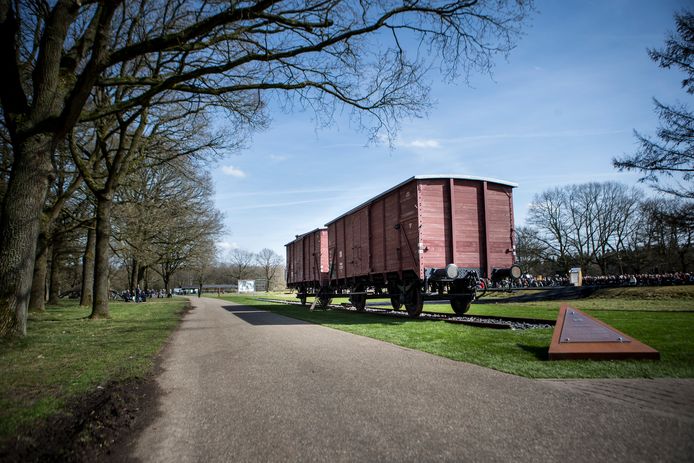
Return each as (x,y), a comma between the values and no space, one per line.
(580,336)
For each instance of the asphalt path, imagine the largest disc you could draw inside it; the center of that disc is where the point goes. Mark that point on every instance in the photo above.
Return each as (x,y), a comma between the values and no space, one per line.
(240,384)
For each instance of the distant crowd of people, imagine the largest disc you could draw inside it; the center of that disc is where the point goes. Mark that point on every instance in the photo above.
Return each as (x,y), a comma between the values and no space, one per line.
(141,295)
(642,279)
(531,281)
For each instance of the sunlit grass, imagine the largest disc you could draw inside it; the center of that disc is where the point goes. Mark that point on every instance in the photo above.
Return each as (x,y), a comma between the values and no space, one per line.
(519,352)
(64,355)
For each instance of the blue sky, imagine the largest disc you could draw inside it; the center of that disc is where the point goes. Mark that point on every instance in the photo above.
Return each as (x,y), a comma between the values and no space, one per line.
(564,103)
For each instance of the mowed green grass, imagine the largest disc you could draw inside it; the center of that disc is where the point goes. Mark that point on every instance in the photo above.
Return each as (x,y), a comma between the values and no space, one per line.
(65,355)
(666,325)
(663,298)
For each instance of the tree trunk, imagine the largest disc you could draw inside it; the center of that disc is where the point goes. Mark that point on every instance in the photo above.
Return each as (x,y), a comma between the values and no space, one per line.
(101,257)
(37,302)
(19,230)
(54,286)
(88,269)
(133,275)
(141,273)
(683,260)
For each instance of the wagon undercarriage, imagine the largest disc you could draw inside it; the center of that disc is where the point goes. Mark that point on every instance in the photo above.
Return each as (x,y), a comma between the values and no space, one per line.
(410,293)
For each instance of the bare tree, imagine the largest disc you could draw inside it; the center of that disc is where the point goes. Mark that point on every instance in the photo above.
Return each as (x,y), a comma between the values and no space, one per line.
(549,214)
(269,261)
(58,56)
(667,163)
(599,213)
(584,224)
(582,228)
(62,188)
(531,251)
(87,286)
(240,262)
(618,217)
(201,262)
(187,220)
(668,238)
(126,145)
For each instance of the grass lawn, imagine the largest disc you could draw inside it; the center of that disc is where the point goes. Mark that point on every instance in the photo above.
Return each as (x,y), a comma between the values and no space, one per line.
(65,355)
(663,298)
(667,325)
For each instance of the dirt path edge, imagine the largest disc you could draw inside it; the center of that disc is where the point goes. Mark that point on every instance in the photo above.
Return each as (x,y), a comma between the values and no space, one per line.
(93,425)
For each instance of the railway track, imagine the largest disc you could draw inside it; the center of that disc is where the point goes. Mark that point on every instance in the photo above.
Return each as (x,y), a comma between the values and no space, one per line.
(481,321)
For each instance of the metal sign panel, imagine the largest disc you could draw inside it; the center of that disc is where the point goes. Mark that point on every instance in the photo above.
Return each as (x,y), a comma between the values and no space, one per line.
(580,328)
(580,336)
(246,286)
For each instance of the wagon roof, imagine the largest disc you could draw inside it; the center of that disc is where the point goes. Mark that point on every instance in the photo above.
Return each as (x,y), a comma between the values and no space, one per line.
(298,237)
(425,177)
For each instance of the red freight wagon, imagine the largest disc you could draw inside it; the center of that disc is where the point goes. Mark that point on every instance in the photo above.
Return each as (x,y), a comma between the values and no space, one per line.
(431,236)
(307,262)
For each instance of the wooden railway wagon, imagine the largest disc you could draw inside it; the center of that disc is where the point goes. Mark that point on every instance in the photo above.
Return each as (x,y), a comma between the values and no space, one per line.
(307,262)
(430,237)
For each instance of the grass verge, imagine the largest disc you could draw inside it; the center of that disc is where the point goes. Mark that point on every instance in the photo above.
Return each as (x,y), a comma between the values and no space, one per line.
(65,356)
(520,352)
(651,298)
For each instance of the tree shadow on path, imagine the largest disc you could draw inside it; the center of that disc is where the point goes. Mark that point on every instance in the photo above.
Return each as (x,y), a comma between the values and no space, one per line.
(256,317)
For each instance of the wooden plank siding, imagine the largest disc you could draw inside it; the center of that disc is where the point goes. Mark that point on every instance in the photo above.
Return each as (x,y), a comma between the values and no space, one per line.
(392,250)
(424,223)
(378,237)
(409,222)
(435,217)
(500,225)
(307,258)
(464,232)
(469,224)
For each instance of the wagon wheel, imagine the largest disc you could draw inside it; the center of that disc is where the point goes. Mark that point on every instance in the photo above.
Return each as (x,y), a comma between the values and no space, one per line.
(461,304)
(414,300)
(395,291)
(358,300)
(324,298)
(482,286)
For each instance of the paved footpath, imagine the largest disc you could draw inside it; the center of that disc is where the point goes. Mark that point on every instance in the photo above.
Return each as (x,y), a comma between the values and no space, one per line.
(240,384)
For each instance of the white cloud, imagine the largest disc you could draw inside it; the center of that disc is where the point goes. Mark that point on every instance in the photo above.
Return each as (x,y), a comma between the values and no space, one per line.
(291,192)
(225,246)
(421,143)
(233,171)
(533,135)
(277,204)
(278,157)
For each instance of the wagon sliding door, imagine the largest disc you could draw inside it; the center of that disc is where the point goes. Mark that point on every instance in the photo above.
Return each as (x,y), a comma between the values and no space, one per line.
(409,228)
(500,228)
(336,249)
(360,243)
(395,232)
(482,225)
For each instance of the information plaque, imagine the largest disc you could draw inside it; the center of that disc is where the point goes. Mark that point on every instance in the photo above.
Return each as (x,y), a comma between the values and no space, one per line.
(580,336)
